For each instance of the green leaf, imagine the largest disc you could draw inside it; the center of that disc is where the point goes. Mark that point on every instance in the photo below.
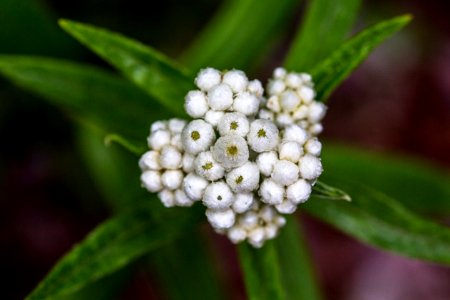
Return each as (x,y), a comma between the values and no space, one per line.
(160,77)
(110,247)
(120,140)
(324,27)
(262,274)
(90,94)
(239,33)
(325,191)
(380,221)
(297,274)
(418,186)
(333,70)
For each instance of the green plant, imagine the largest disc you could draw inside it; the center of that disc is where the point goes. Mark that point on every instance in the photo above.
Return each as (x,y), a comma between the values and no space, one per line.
(382,215)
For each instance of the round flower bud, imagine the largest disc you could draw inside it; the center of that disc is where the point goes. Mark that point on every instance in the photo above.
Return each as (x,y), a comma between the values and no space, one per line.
(236,79)
(249,220)
(266,161)
(255,87)
(286,207)
(279,221)
(279,73)
(267,213)
(207,78)
(310,167)
(213,117)
(230,151)
(284,119)
(159,139)
(188,163)
(176,141)
(194,186)
(317,111)
(276,87)
(158,125)
(237,234)
(263,135)
(242,202)
(315,129)
(244,178)
(197,136)
(299,191)
(220,219)
(256,237)
(273,104)
(246,103)
(313,146)
(295,133)
(307,94)
(151,180)
(181,199)
(285,172)
(270,231)
(294,80)
(271,192)
(172,179)
(170,157)
(289,100)
(195,104)
(301,112)
(220,97)
(207,167)
(218,196)
(150,161)
(167,198)
(291,151)
(176,125)
(306,78)
(266,114)
(233,123)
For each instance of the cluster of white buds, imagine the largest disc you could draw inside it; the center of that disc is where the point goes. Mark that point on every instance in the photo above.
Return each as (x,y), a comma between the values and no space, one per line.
(247,160)
(291,101)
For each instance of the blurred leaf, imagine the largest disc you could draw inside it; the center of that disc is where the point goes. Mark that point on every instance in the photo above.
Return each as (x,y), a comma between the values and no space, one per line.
(297,274)
(110,247)
(380,221)
(332,71)
(261,270)
(325,191)
(160,77)
(418,186)
(96,97)
(238,33)
(188,274)
(324,27)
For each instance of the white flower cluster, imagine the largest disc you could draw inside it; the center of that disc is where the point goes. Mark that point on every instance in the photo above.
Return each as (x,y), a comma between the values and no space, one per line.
(248,159)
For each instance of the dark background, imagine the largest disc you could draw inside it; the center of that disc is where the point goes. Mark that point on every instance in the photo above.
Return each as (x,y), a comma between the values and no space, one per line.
(398,101)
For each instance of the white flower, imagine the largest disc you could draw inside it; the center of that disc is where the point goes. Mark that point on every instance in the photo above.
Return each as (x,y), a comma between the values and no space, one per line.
(266,161)
(256,237)
(207,78)
(158,139)
(230,151)
(242,202)
(266,114)
(285,172)
(220,97)
(284,119)
(176,125)
(188,162)
(170,158)
(167,198)
(271,192)
(295,133)
(195,104)
(307,94)
(194,186)
(299,191)
(218,196)
(276,86)
(286,207)
(247,103)
(181,199)
(279,73)
(310,167)
(255,87)
(317,111)
(237,234)
(151,180)
(207,167)
(213,117)
(315,129)
(176,141)
(150,161)
(197,136)
(270,231)
(221,219)
(236,79)
(267,213)
(313,146)
(289,100)
(243,179)
(233,123)
(293,80)
(291,151)
(249,220)
(263,135)
(172,179)
(158,125)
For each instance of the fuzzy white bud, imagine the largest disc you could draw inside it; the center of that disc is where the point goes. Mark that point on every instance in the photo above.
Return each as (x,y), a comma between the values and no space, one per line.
(279,73)
(151,180)
(220,97)
(237,234)
(197,136)
(195,104)
(244,178)
(194,186)
(310,167)
(170,157)
(263,135)
(285,172)
(236,79)
(158,125)
(294,80)
(150,161)
(271,192)
(207,78)
(289,100)
(167,198)
(172,179)
(291,151)
(213,117)
(234,123)
(176,125)
(181,199)
(255,87)
(242,202)
(266,114)
(317,111)
(221,219)
(307,94)
(295,133)
(159,139)
(286,207)
(299,191)
(266,161)
(231,151)
(313,146)
(218,195)
(256,237)
(276,87)
(249,220)
(188,162)
(207,167)
(246,103)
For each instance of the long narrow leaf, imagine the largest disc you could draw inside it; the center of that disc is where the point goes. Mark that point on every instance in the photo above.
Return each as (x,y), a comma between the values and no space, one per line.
(110,247)
(90,94)
(262,274)
(325,26)
(239,33)
(332,71)
(380,221)
(161,78)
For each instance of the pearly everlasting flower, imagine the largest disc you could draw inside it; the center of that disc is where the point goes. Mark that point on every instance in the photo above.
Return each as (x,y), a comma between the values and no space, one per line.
(194,186)
(195,104)
(172,179)
(207,78)
(213,117)
(207,167)
(236,80)
(291,151)
(243,179)
(151,180)
(231,151)
(313,146)
(197,136)
(299,191)
(310,167)
(221,219)
(233,123)
(220,97)
(271,192)
(266,161)
(285,172)
(159,139)
(263,135)
(150,160)
(243,202)
(218,196)
(170,157)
